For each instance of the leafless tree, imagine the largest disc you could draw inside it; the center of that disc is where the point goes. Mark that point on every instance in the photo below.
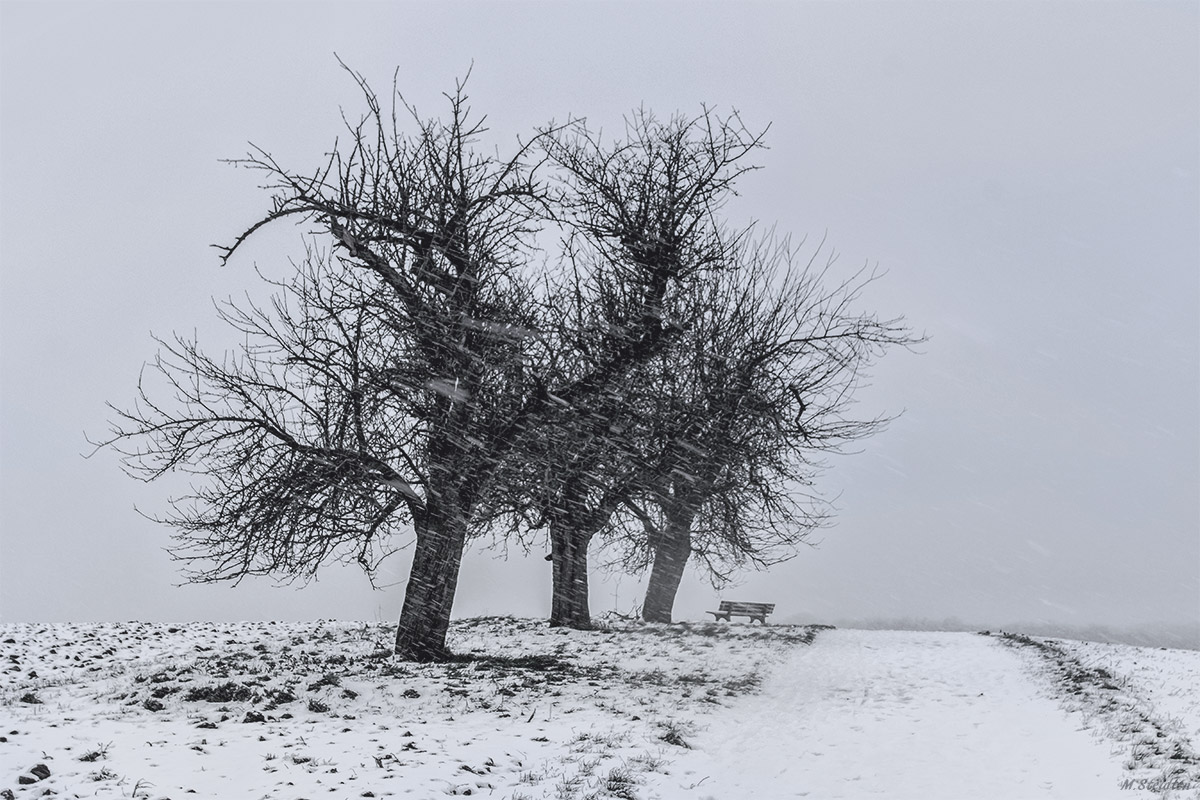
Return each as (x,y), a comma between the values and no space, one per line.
(741,413)
(377,393)
(642,212)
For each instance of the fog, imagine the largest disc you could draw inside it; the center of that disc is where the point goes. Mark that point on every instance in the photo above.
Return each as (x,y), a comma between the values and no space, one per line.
(1025,175)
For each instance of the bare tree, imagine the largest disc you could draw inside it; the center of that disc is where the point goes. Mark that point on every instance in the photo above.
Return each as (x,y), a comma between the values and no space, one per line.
(642,212)
(739,416)
(376,393)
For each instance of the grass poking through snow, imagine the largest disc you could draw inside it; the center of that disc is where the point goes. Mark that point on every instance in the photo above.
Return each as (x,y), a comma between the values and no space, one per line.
(290,710)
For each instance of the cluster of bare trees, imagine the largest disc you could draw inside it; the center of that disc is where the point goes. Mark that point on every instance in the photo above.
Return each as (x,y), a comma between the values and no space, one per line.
(662,382)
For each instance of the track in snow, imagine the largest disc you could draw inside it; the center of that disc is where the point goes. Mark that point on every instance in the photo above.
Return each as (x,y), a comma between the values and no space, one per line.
(900,715)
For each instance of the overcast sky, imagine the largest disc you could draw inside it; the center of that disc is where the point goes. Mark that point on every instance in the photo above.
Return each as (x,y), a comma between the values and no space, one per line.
(1026,175)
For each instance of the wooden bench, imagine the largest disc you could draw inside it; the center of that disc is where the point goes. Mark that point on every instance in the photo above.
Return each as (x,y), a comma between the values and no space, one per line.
(755,611)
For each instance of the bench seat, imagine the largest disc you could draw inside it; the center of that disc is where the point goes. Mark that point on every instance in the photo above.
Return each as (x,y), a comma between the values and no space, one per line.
(755,611)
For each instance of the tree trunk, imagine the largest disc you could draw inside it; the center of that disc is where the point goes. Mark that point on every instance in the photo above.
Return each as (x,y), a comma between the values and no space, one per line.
(425,618)
(568,550)
(671,554)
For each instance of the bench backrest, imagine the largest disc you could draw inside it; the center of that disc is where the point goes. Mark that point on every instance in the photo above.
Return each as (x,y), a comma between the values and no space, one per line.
(743,608)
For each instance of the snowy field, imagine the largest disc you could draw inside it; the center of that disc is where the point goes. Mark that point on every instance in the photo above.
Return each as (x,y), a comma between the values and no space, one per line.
(720,711)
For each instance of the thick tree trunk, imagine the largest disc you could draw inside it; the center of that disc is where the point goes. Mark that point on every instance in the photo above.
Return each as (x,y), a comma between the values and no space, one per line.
(425,618)
(671,554)
(568,551)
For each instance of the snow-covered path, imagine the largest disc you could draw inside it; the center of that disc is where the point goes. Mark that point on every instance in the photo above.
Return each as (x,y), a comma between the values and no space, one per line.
(863,714)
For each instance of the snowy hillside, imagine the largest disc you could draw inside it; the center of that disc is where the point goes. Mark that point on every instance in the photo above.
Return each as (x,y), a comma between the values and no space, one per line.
(699,711)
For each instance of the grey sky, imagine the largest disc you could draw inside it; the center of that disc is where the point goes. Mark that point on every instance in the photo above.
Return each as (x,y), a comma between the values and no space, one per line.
(1027,175)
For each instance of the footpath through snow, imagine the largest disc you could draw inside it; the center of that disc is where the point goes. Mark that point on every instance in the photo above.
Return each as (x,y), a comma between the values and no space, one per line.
(899,714)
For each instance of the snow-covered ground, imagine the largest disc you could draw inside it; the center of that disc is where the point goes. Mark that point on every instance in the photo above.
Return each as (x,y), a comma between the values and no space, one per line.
(1167,680)
(698,711)
(1143,702)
